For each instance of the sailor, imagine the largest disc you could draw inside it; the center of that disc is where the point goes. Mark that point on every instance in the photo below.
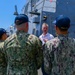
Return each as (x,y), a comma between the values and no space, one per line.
(59,53)
(24,50)
(3,63)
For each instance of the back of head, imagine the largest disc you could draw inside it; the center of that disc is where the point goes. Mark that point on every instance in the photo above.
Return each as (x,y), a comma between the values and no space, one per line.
(62,22)
(20,19)
(21,22)
(2,32)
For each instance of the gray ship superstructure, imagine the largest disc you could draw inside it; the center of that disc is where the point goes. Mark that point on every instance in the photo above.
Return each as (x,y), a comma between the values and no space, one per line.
(40,11)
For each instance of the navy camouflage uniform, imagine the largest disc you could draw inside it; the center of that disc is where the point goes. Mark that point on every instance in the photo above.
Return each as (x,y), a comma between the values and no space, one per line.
(3,64)
(24,54)
(59,56)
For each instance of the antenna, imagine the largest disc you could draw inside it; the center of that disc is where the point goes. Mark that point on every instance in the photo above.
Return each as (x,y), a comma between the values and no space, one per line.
(15,13)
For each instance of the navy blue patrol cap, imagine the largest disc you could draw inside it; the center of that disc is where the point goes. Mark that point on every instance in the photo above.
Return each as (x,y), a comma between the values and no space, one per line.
(2,31)
(62,22)
(21,18)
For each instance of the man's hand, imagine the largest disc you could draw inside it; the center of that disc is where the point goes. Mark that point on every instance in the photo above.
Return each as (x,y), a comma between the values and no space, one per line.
(45,40)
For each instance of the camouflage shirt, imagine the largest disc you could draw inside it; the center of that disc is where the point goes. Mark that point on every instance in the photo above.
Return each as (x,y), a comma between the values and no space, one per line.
(3,65)
(24,54)
(59,56)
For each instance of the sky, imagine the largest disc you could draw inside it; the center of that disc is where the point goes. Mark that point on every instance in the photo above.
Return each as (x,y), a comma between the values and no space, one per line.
(7,9)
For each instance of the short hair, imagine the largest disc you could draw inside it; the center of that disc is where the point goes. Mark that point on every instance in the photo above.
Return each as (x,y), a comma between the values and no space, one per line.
(44,24)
